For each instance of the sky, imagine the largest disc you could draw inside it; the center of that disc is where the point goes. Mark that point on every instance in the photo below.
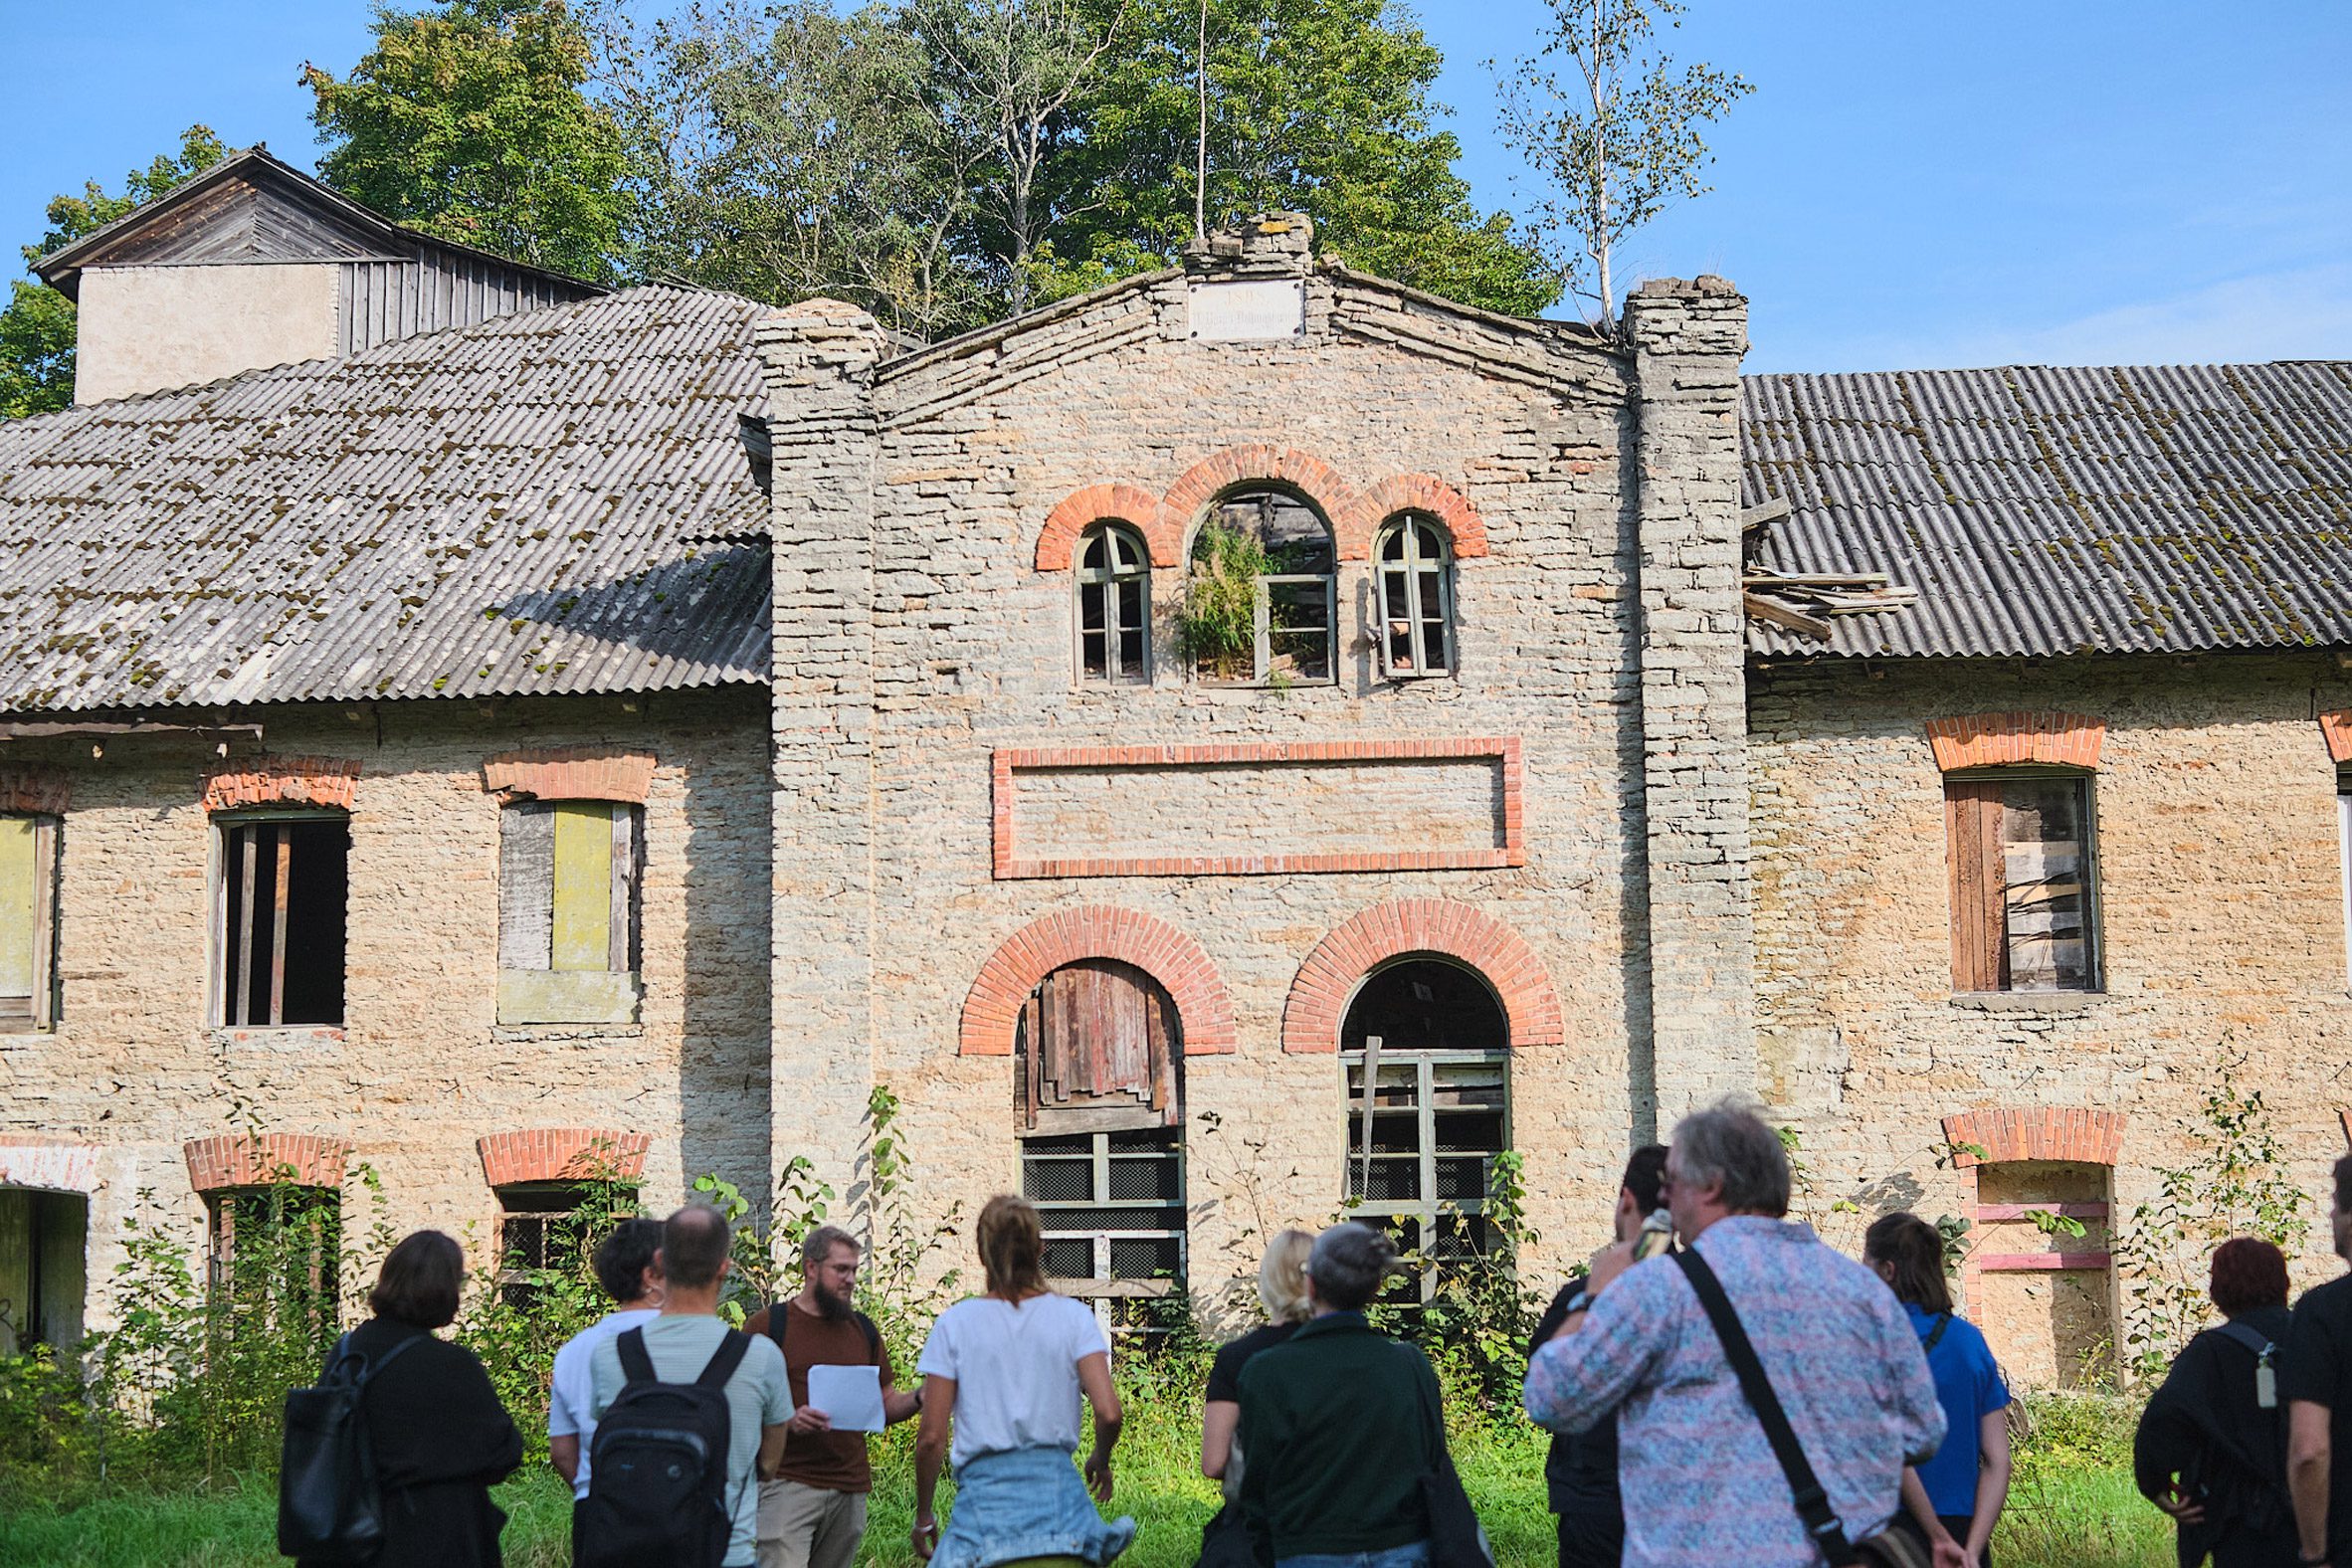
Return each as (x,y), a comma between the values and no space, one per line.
(1913,183)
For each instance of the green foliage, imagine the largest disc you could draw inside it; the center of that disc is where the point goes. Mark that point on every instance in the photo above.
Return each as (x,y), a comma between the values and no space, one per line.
(2236,1183)
(467,119)
(37,326)
(1476,1323)
(1614,137)
(1218,621)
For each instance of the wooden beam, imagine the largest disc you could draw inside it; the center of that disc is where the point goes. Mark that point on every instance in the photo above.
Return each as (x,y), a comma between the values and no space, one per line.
(1763,514)
(278,924)
(49,730)
(1788,620)
(249,839)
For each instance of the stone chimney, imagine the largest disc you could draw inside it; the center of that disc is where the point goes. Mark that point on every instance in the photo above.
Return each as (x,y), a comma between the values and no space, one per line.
(1248,284)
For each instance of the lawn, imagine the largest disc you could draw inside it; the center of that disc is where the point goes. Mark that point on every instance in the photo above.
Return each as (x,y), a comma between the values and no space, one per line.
(2067,1511)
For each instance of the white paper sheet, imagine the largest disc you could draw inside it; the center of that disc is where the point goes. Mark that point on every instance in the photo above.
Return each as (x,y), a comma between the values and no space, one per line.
(850,1396)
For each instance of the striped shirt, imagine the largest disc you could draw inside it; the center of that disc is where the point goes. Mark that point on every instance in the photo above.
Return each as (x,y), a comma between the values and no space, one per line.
(1700,1481)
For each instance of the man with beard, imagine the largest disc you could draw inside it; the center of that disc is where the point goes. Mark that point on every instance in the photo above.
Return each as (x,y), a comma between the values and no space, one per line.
(813,1514)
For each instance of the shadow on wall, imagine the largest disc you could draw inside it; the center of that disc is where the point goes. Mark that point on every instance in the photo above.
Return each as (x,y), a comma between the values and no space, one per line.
(724,1089)
(1633,863)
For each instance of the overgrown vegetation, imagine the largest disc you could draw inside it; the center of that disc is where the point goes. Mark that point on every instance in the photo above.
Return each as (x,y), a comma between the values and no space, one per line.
(1218,621)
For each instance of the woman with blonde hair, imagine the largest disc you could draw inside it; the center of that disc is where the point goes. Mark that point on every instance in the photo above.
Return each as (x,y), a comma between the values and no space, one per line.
(1230,1539)
(1003,1374)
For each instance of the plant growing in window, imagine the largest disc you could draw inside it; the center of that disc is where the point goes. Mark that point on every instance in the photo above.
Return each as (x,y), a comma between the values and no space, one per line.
(1262,598)
(1219,620)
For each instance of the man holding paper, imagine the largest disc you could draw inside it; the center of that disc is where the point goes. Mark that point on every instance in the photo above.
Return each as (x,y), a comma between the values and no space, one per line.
(813,1514)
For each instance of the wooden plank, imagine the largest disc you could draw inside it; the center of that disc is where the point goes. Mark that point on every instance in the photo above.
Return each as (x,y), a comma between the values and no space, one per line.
(249,842)
(619,924)
(567,996)
(19,905)
(46,870)
(580,931)
(526,886)
(1788,620)
(285,881)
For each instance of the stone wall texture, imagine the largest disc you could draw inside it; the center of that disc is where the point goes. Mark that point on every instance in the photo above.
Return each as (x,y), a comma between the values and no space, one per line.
(145,1093)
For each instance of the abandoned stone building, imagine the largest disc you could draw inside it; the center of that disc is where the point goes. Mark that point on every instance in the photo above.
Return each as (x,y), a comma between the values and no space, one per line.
(617,733)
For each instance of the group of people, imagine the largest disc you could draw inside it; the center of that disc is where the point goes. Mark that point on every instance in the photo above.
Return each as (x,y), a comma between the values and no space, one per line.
(1729,1391)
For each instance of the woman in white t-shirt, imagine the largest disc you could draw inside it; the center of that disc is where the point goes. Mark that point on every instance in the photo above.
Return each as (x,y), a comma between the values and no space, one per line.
(1006,1372)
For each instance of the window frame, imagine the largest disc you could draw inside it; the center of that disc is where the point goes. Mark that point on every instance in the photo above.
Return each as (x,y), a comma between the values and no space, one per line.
(1410,525)
(531,994)
(2344,861)
(1103,1290)
(1261,666)
(1112,533)
(221,984)
(2088,875)
(1429,1208)
(324,1287)
(42,1001)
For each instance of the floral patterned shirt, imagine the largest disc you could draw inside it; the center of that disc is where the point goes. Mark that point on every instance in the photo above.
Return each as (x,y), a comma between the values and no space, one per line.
(1700,1481)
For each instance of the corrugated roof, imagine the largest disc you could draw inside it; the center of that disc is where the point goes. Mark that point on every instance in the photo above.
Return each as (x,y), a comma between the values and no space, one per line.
(556,500)
(2042,510)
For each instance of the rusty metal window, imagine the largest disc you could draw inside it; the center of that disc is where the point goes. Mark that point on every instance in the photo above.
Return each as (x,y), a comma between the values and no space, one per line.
(1416,599)
(1428,1083)
(1296,593)
(546,1228)
(28,921)
(1113,607)
(279,917)
(2023,881)
(1100,1081)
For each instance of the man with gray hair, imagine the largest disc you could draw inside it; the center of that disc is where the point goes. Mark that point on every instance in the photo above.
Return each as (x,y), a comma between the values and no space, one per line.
(1701,1481)
(811,1512)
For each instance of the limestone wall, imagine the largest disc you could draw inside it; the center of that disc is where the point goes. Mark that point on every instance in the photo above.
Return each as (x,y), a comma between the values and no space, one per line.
(418,1071)
(2221,909)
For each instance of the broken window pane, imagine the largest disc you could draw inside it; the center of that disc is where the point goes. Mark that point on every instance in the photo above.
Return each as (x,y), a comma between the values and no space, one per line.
(545,1229)
(2024,882)
(278,1250)
(44,1239)
(1296,588)
(1114,600)
(283,892)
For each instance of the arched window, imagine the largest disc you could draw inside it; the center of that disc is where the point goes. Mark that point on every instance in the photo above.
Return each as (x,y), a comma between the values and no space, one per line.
(1101,1081)
(1431,1039)
(1262,599)
(1415,598)
(1113,607)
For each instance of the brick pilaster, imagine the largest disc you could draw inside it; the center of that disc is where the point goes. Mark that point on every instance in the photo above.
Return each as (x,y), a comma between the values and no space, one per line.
(1688,340)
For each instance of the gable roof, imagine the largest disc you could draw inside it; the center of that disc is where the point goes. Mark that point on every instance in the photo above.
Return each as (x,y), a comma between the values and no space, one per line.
(2041,510)
(255,207)
(556,500)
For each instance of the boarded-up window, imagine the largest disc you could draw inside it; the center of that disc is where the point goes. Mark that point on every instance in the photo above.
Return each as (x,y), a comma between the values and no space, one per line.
(2024,882)
(1416,600)
(278,921)
(569,873)
(28,921)
(1101,1088)
(1114,607)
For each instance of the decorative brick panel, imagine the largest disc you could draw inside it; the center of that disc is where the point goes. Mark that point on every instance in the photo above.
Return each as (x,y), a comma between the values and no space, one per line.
(1993,740)
(547,1154)
(40,790)
(261,1161)
(1319,995)
(1311,477)
(2056,1132)
(992,1012)
(1010,864)
(1129,503)
(281,781)
(1423,492)
(49,1163)
(570,773)
(2337,729)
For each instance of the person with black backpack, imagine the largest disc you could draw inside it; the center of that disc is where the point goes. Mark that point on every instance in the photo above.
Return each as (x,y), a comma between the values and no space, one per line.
(688,1414)
(812,1512)
(2211,1444)
(389,1462)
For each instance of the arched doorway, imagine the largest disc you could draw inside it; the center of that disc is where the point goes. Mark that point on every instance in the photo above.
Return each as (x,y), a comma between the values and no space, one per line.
(1100,1070)
(1433,1041)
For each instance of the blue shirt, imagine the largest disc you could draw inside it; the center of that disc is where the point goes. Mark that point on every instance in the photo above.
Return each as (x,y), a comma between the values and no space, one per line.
(1968,1385)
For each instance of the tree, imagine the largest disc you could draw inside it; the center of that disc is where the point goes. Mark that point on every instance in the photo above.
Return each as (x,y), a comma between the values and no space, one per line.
(1619,142)
(468,121)
(37,328)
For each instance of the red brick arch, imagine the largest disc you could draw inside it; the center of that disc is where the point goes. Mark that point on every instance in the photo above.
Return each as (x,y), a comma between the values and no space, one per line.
(1319,996)
(1311,477)
(1422,492)
(992,1012)
(262,1159)
(1078,511)
(1991,740)
(550,1154)
(2053,1132)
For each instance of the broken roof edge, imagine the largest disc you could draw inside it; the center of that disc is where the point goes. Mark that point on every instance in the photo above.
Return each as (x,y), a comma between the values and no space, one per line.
(977,338)
(1582,334)
(223,715)
(62,268)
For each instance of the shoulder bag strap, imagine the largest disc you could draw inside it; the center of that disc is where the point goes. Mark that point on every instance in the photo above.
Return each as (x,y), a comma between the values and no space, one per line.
(723,1361)
(779,1320)
(2252,1338)
(872,1338)
(636,1365)
(1935,1335)
(1813,1504)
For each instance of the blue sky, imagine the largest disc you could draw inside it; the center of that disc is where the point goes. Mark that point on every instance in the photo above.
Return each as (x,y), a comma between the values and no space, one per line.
(1915,182)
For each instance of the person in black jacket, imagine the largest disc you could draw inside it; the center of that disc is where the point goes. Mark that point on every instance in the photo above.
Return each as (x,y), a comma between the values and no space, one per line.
(441,1438)
(2209,1452)
(1580,1472)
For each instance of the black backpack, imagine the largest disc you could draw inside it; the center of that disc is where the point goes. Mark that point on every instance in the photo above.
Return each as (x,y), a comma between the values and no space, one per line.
(331,1503)
(657,1468)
